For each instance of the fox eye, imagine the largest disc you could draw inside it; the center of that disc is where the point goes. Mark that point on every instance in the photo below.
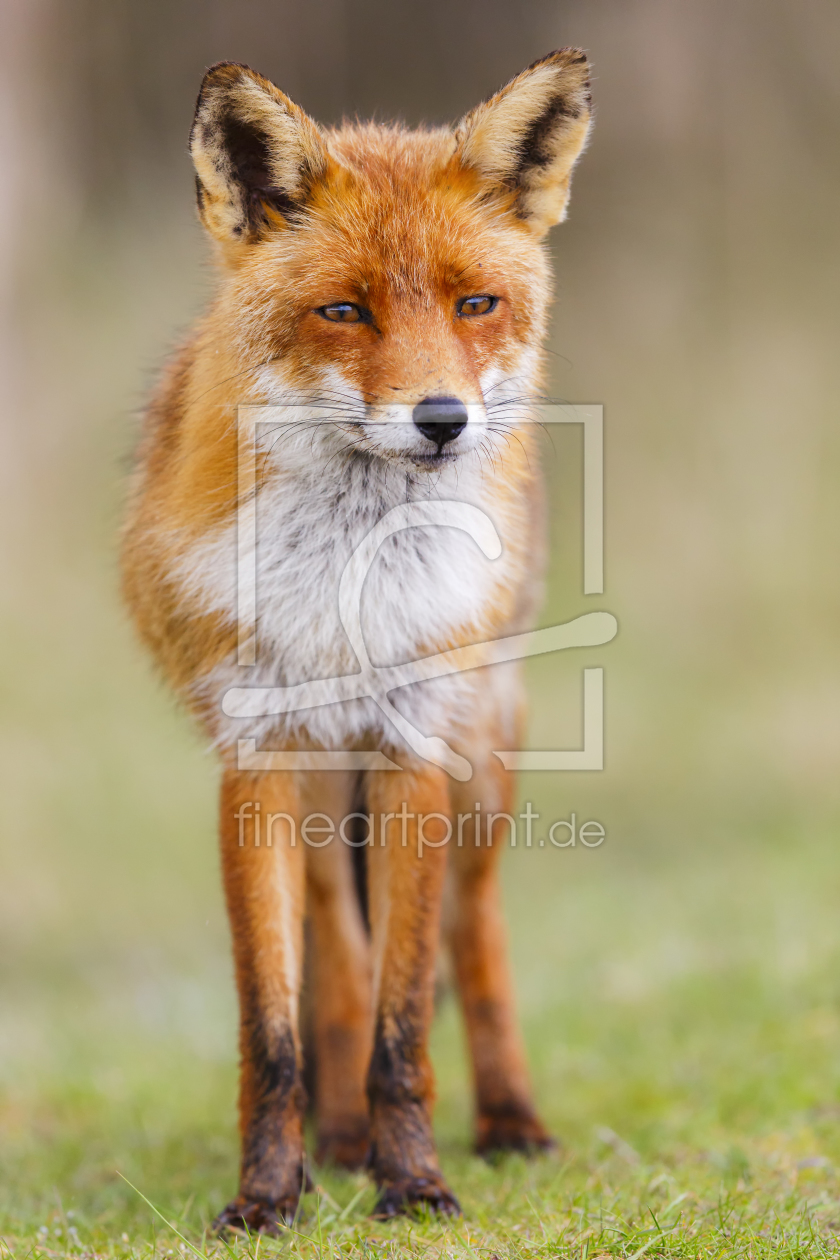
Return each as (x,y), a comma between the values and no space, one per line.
(481,305)
(345,313)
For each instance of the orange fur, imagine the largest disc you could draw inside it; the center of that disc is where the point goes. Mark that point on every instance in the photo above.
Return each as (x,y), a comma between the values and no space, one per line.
(342,999)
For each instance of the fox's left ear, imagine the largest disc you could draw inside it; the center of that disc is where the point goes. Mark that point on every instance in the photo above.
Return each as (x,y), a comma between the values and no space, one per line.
(527,138)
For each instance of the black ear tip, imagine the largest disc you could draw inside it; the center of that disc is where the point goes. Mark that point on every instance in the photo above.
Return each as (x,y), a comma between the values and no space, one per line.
(223,71)
(224,75)
(569,56)
(566,59)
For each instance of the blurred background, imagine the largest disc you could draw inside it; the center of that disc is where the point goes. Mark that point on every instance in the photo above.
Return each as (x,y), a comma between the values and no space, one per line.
(697,299)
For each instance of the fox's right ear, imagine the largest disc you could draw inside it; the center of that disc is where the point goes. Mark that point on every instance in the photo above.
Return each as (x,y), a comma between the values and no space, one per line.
(525,140)
(256,154)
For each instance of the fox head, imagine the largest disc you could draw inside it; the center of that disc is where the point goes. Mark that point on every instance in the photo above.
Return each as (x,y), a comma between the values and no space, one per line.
(396,278)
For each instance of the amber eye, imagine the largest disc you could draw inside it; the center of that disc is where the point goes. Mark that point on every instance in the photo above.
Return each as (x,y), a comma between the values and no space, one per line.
(345,313)
(481,305)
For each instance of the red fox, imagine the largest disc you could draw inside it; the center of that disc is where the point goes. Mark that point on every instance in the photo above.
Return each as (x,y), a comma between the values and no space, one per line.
(385,292)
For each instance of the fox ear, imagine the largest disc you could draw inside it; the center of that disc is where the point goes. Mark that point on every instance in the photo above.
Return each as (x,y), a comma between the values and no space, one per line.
(527,138)
(255,152)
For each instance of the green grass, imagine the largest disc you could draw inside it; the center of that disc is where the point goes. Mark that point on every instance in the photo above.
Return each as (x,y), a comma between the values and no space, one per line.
(680,1003)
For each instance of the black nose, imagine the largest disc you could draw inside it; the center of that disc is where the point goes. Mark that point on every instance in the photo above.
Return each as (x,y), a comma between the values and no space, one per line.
(440,419)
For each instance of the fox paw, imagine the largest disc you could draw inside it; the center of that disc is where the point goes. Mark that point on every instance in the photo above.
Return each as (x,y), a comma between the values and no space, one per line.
(512,1131)
(257,1216)
(400,1197)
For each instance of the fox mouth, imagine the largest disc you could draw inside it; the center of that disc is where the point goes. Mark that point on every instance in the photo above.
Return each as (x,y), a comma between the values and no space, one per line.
(423,455)
(416,461)
(434,459)
(421,461)
(427,436)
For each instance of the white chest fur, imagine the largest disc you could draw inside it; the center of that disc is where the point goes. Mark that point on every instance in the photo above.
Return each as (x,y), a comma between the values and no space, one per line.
(427,589)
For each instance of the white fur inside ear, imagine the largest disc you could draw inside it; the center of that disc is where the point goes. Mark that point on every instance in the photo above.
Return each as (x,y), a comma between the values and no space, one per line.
(249,142)
(530,134)
(288,151)
(493,142)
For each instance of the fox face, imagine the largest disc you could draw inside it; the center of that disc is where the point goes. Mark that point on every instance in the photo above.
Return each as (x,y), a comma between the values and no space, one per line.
(394,280)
